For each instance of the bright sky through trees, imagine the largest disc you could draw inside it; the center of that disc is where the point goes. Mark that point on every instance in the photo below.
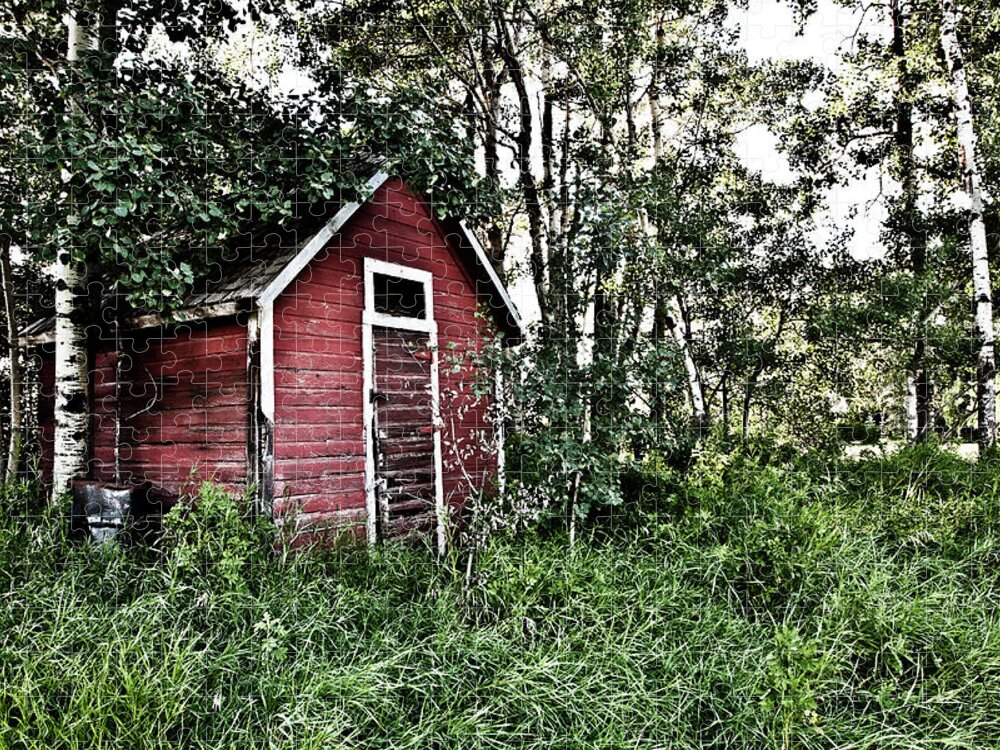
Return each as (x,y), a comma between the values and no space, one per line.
(768,30)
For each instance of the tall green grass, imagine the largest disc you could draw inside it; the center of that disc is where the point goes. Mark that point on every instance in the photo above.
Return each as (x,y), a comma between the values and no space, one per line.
(759,600)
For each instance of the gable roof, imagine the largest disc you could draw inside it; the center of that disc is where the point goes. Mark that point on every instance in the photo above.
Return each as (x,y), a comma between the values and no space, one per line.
(265,261)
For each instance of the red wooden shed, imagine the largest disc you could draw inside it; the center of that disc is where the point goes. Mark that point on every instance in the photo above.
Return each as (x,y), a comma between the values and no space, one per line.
(316,365)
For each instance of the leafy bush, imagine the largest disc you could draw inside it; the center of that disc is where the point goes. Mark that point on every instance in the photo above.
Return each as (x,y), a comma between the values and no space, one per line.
(577,426)
(865,433)
(922,494)
(210,538)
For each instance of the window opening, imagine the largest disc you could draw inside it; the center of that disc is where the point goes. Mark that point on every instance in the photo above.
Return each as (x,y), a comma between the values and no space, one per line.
(400,297)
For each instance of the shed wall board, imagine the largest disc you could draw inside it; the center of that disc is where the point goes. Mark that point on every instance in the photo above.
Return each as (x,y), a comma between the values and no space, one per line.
(183,400)
(319,396)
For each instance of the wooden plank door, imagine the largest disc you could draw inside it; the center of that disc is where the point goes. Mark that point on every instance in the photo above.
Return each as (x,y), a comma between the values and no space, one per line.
(403,432)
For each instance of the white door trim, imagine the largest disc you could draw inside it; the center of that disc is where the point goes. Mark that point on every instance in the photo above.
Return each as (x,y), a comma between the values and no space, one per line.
(370,320)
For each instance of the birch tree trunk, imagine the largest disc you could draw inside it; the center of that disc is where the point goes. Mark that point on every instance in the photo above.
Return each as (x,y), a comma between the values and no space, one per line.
(981,282)
(72,392)
(679,328)
(13,456)
(71,403)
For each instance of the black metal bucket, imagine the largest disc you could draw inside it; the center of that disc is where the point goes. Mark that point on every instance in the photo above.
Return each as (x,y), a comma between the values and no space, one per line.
(103,511)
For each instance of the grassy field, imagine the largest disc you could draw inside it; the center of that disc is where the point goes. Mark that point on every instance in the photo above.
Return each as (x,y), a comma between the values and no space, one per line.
(757,601)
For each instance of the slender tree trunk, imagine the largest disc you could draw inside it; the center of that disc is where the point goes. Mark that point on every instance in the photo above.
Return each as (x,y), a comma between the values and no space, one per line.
(912,423)
(632,133)
(661,318)
(13,457)
(981,282)
(918,393)
(754,377)
(679,328)
(747,403)
(725,404)
(491,152)
(72,392)
(564,226)
(925,403)
(548,127)
(549,193)
(526,178)
(604,348)
(654,97)
(564,208)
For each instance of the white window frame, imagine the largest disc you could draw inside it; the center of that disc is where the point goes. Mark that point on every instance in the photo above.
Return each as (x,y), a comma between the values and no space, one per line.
(372,319)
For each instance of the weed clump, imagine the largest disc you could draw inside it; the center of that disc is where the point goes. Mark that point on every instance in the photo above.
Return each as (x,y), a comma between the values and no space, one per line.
(210,537)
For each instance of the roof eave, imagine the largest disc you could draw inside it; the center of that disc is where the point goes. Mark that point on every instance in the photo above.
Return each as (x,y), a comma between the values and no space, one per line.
(515,327)
(43,331)
(319,241)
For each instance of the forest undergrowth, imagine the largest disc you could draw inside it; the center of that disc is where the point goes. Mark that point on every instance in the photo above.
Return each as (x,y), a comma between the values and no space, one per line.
(756,599)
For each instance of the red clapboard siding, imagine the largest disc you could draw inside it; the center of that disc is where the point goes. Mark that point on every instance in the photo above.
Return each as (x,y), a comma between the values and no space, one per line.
(319,447)
(46,409)
(326,502)
(314,465)
(102,422)
(183,400)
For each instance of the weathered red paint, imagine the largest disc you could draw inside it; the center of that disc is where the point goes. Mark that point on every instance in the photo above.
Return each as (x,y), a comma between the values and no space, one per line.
(183,403)
(318,349)
(184,394)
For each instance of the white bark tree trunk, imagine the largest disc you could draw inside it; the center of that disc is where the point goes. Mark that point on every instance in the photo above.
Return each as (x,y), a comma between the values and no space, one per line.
(71,403)
(679,329)
(71,366)
(981,282)
(13,457)
(912,417)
